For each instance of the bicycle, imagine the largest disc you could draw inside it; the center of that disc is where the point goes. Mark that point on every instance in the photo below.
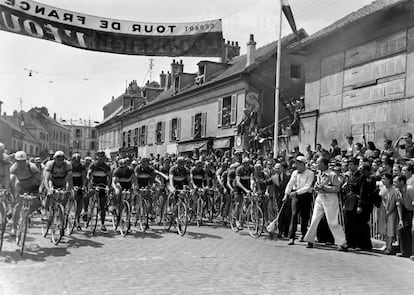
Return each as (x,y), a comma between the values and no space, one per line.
(124,217)
(93,206)
(178,214)
(248,212)
(70,211)
(142,206)
(5,199)
(24,220)
(56,219)
(200,205)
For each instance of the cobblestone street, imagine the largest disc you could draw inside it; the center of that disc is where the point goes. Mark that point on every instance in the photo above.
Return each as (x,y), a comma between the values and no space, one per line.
(207,260)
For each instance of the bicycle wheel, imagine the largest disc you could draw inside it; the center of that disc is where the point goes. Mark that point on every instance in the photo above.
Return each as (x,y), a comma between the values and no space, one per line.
(58,224)
(200,208)
(210,208)
(3,220)
(142,215)
(254,220)
(70,217)
(115,219)
(233,217)
(22,230)
(182,218)
(94,212)
(124,220)
(167,219)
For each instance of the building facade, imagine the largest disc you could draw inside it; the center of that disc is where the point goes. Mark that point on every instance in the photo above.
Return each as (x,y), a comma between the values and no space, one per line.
(83,137)
(360,76)
(216,108)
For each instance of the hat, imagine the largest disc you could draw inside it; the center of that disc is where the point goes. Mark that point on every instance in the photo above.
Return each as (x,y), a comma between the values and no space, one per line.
(38,160)
(301,159)
(245,160)
(180,159)
(20,156)
(51,152)
(59,154)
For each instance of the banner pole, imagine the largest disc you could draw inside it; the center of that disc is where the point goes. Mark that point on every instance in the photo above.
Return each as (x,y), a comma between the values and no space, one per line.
(277,88)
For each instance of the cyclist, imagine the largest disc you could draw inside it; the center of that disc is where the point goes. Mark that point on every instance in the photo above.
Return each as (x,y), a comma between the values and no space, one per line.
(79,180)
(221,176)
(198,180)
(4,167)
(122,179)
(179,175)
(261,180)
(99,173)
(88,162)
(145,176)
(24,178)
(244,184)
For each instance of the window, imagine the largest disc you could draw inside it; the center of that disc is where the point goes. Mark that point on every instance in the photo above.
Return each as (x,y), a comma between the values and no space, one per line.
(143,135)
(295,71)
(123,139)
(136,136)
(78,133)
(31,151)
(198,125)
(37,151)
(175,129)
(93,135)
(129,138)
(92,145)
(160,133)
(227,111)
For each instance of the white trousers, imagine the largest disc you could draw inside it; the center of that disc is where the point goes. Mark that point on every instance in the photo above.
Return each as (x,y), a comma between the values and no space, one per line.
(328,204)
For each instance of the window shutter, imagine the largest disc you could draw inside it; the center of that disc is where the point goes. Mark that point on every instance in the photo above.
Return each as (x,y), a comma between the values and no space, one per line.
(162,132)
(220,112)
(170,129)
(233,109)
(203,124)
(192,126)
(178,128)
(146,135)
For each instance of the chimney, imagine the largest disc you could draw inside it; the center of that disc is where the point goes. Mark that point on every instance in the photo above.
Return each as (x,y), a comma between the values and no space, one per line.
(168,84)
(54,116)
(251,51)
(177,68)
(231,50)
(163,79)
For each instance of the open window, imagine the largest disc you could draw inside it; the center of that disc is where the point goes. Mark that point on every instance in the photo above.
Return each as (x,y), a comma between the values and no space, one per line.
(175,129)
(227,111)
(160,132)
(198,125)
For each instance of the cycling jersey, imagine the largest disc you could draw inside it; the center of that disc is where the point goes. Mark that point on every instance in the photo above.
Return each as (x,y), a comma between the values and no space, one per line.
(99,172)
(231,176)
(179,176)
(198,176)
(144,175)
(77,172)
(26,176)
(4,167)
(260,179)
(58,174)
(210,177)
(245,172)
(124,175)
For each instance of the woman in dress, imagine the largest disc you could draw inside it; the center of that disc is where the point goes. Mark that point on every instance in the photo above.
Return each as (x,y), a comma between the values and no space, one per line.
(388,211)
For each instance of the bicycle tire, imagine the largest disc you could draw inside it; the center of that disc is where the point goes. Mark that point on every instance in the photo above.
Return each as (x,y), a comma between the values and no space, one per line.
(233,217)
(254,220)
(182,218)
(3,225)
(166,217)
(71,216)
(124,219)
(94,215)
(23,233)
(142,215)
(58,224)
(20,227)
(115,219)
(200,208)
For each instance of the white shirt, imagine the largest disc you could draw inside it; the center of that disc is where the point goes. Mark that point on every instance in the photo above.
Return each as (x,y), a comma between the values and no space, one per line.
(300,182)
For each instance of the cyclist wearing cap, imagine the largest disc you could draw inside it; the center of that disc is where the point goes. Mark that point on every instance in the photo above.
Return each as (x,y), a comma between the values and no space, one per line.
(244,185)
(210,180)
(24,178)
(122,177)
(179,175)
(198,175)
(88,162)
(4,167)
(144,173)
(79,180)
(99,174)
(58,173)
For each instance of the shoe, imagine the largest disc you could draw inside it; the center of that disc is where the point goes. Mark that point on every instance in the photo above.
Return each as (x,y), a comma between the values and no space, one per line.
(301,239)
(309,245)
(103,229)
(401,255)
(291,242)
(358,249)
(386,252)
(342,249)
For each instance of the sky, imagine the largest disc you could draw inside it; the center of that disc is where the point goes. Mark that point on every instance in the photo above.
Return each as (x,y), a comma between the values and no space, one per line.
(76,83)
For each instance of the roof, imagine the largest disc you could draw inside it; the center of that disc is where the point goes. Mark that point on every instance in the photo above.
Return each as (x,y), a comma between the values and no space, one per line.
(235,67)
(113,115)
(365,11)
(29,137)
(78,122)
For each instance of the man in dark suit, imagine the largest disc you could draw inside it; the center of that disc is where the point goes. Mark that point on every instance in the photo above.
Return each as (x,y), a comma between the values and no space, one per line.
(279,182)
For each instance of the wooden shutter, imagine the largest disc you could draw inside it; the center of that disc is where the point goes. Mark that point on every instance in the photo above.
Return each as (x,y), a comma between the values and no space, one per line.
(220,112)
(203,124)
(145,134)
(170,129)
(162,132)
(178,128)
(192,126)
(233,117)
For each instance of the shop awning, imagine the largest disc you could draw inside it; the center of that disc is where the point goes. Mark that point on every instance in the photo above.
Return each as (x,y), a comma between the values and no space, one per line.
(221,143)
(190,146)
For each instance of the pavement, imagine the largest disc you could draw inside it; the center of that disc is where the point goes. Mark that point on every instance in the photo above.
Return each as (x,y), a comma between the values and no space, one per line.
(210,259)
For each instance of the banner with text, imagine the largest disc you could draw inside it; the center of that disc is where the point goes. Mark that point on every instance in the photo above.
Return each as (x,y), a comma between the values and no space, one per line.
(109,35)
